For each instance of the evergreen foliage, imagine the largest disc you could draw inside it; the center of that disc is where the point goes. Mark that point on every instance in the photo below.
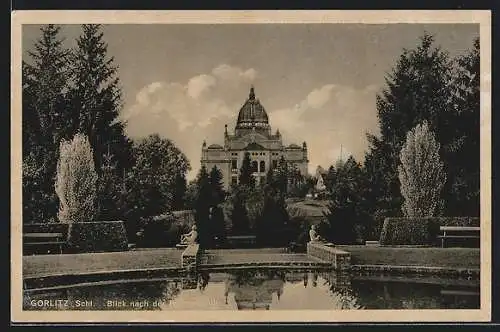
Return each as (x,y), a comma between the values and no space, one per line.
(76,181)
(421,174)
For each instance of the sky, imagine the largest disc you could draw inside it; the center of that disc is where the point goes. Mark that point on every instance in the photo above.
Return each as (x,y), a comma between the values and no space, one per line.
(317,82)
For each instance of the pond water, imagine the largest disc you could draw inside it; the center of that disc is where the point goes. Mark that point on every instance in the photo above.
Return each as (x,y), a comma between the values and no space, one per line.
(260,290)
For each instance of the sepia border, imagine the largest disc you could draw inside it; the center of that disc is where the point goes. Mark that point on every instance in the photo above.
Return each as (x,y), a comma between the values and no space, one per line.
(481,17)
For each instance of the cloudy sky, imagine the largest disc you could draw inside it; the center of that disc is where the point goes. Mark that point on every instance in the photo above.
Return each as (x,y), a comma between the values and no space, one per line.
(318,82)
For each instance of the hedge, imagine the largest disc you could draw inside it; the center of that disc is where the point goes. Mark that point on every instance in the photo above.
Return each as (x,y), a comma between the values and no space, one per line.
(161,231)
(419,231)
(99,236)
(52,227)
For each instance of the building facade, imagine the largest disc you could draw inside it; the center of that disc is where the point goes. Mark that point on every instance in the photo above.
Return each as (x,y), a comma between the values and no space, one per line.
(252,134)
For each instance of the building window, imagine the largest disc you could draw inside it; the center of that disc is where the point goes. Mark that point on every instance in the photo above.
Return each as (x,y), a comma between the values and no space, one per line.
(234,164)
(234,180)
(275,164)
(262,166)
(254,166)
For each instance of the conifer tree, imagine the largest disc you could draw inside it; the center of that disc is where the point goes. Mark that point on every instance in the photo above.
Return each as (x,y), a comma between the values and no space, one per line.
(76,181)
(245,177)
(215,179)
(417,89)
(462,154)
(96,97)
(421,173)
(239,214)
(346,214)
(202,207)
(46,120)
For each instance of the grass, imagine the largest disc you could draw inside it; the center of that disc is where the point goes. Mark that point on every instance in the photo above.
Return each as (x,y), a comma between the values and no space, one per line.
(434,257)
(41,265)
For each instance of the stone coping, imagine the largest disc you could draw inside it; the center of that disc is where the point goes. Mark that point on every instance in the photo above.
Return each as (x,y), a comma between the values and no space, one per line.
(331,248)
(70,279)
(415,269)
(191,250)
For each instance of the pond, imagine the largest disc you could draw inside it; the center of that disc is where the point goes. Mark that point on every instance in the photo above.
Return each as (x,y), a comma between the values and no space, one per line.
(260,290)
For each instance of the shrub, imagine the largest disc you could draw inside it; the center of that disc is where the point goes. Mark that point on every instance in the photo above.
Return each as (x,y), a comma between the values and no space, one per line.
(99,236)
(53,227)
(419,231)
(161,231)
(409,231)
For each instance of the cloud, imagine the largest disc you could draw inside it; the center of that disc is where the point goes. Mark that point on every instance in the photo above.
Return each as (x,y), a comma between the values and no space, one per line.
(318,97)
(189,112)
(327,118)
(230,73)
(198,84)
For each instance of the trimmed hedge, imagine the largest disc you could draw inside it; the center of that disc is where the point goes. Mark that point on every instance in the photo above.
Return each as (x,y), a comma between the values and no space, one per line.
(99,236)
(161,231)
(52,227)
(419,231)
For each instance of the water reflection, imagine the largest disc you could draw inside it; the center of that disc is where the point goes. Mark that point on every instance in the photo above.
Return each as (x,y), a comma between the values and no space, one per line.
(258,290)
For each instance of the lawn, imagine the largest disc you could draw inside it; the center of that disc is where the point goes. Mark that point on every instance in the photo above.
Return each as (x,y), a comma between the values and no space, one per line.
(432,257)
(41,265)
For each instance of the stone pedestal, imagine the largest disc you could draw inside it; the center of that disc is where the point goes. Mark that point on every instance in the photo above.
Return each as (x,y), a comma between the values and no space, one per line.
(340,260)
(191,256)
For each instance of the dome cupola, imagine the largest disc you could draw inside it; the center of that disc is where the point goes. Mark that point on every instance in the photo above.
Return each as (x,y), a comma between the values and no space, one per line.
(252,114)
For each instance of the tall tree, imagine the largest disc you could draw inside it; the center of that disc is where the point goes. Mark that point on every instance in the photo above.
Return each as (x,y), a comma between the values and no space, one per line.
(76,183)
(180,188)
(417,89)
(97,98)
(202,207)
(245,177)
(282,175)
(46,120)
(150,182)
(421,173)
(347,213)
(273,219)
(463,152)
(239,214)
(215,179)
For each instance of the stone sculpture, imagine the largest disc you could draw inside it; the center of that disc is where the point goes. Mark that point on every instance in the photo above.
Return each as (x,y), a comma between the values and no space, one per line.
(314,236)
(191,237)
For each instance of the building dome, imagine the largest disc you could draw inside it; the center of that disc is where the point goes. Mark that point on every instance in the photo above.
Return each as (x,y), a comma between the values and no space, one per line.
(252,114)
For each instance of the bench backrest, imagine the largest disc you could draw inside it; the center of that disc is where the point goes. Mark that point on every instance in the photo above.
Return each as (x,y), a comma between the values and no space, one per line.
(459,228)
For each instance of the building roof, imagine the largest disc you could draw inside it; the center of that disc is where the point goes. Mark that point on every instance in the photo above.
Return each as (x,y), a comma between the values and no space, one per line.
(252,113)
(215,146)
(254,146)
(294,146)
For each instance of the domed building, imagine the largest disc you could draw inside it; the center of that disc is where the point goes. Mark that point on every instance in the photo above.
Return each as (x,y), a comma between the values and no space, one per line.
(252,134)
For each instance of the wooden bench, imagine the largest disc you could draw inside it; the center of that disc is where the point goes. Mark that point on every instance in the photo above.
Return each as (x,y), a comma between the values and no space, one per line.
(33,242)
(241,239)
(458,232)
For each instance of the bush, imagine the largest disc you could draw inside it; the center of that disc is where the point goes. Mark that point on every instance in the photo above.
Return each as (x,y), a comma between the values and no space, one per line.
(419,231)
(161,231)
(99,236)
(53,227)
(409,231)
